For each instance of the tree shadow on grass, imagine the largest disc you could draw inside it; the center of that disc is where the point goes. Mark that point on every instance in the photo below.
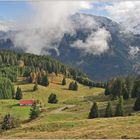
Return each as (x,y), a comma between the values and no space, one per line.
(14,105)
(64,88)
(29,90)
(21,83)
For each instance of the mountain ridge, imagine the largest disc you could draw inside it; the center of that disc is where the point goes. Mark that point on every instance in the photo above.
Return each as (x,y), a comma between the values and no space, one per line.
(114,62)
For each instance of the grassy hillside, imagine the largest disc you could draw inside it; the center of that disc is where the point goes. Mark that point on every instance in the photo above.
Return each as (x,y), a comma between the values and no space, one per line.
(68,118)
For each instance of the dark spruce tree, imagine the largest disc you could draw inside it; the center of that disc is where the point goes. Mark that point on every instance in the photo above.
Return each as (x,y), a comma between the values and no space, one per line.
(108,112)
(94,113)
(45,80)
(52,99)
(107,89)
(136,89)
(34,111)
(35,87)
(73,86)
(64,81)
(117,87)
(19,94)
(137,104)
(129,81)
(125,93)
(119,108)
(8,122)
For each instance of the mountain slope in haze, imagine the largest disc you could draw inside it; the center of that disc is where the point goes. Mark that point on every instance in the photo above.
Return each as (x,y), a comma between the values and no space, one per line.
(116,61)
(122,57)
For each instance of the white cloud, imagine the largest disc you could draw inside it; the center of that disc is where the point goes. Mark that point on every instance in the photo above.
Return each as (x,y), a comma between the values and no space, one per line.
(133,51)
(50,21)
(126,12)
(85,22)
(6,26)
(95,44)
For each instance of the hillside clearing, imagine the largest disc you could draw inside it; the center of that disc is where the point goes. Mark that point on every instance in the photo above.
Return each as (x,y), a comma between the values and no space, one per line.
(68,118)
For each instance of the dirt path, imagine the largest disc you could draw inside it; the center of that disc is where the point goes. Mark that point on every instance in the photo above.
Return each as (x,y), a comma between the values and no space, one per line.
(58,110)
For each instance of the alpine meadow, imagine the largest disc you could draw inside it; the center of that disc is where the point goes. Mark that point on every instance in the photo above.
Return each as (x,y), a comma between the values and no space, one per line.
(70,69)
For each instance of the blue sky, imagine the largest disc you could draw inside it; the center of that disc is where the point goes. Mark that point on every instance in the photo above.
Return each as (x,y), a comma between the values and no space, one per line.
(95,10)
(12,10)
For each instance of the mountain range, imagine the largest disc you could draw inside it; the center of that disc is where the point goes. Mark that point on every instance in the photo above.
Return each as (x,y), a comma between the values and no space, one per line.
(121,58)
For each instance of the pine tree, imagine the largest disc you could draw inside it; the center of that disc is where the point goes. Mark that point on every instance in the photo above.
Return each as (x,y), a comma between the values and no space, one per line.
(35,87)
(107,90)
(71,86)
(125,94)
(75,86)
(108,112)
(117,87)
(34,111)
(45,80)
(8,122)
(52,98)
(64,81)
(129,84)
(136,89)
(137,104)
(119,108)
(19,94)
(94,113)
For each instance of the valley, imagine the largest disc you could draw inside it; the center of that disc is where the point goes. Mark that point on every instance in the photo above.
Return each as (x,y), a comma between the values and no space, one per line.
(69,117)
(70,69)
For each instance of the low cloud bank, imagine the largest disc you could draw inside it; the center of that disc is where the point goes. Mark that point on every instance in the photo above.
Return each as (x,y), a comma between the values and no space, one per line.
(50,20)
(96,43)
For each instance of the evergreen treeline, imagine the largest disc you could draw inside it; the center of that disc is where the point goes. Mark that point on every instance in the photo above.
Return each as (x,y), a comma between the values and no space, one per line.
(9,72)
(30,65)
(119,110)
(120,86)
(30,62)
(87,82)
(6,89)
(127,87)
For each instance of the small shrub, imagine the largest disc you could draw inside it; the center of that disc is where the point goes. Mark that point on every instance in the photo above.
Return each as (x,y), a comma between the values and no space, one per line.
(52,99)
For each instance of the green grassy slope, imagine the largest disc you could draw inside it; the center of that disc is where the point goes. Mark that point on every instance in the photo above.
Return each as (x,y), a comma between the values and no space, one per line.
(68,118)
